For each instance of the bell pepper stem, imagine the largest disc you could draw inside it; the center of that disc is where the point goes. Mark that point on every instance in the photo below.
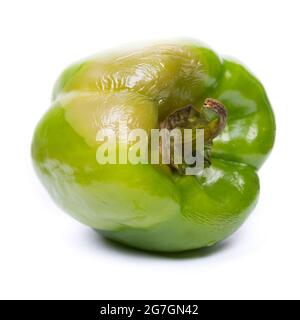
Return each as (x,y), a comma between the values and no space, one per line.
(211,118)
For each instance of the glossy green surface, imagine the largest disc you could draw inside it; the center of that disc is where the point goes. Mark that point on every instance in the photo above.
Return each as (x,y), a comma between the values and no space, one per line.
(146,206)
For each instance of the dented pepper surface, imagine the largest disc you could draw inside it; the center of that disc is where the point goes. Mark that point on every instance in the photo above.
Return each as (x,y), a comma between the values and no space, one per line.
(153,207)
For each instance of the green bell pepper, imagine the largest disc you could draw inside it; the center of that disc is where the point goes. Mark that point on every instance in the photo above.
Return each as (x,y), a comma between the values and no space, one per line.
(155,207)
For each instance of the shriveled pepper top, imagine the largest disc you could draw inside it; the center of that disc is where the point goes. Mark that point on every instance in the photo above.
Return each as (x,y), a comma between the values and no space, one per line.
(169,76)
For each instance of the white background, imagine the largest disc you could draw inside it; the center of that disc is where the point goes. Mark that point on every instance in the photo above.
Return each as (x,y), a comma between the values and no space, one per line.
(46,254)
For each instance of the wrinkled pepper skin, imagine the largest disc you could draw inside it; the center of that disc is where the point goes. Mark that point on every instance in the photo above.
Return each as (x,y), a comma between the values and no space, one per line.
(146,206)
